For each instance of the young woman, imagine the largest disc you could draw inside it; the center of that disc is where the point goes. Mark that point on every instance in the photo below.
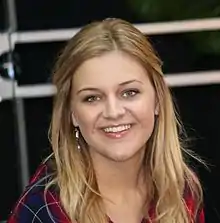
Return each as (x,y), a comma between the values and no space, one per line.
(117,155)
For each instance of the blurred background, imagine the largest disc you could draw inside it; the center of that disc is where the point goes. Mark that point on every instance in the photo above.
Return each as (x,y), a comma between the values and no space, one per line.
(27,56)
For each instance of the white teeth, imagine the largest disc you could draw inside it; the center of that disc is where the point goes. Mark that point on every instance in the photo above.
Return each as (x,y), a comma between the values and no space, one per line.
(118,128)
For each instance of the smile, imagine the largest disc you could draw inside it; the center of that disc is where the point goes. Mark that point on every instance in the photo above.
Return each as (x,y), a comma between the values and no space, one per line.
(116,129)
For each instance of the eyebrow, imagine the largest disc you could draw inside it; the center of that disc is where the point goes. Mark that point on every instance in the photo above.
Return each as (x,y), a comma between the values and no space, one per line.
(87,89)
(97,89)
(129,82)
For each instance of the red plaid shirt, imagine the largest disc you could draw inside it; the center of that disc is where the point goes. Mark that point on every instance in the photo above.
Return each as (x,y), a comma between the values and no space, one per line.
(34,206)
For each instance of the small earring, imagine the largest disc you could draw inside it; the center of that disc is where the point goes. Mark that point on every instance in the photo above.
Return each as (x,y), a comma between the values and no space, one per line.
(77,138)
(157,109)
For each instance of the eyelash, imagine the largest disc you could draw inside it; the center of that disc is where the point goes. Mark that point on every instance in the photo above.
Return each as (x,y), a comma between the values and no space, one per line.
(130,93)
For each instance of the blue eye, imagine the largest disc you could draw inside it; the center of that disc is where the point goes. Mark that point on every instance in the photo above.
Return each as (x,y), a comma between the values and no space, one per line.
(91,98)
(130,93)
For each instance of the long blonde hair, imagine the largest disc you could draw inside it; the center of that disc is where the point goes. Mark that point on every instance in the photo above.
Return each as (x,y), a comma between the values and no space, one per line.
(167,173)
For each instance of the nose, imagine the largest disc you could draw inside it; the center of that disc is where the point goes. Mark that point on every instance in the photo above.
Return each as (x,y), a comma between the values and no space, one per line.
(113,108)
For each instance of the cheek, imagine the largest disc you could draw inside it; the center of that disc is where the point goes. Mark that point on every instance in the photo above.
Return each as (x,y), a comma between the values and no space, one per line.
(145,114)
(147,117)
(145,109)
(85,119)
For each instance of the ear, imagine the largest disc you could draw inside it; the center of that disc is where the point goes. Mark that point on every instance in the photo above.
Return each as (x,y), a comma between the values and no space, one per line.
(74,120)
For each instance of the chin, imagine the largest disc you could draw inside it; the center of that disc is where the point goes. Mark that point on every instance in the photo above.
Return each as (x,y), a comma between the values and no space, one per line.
(120,157)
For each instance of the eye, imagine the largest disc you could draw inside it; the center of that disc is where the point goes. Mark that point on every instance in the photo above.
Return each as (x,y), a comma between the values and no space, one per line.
(92,98)
(130,93)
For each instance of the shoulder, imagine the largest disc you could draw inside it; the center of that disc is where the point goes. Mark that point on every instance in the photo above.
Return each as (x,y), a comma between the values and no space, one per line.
(195,210)
(37,204)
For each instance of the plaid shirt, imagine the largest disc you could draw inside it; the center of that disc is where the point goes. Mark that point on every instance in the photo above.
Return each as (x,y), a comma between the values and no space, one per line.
(34,206)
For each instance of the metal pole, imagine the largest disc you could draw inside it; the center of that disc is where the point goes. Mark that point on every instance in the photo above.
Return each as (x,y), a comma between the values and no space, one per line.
(18,102)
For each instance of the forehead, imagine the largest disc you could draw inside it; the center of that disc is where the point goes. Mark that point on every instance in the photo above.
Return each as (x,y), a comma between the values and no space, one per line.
(109,70)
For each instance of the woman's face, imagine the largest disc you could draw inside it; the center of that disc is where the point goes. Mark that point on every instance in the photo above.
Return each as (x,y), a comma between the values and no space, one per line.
(113,104)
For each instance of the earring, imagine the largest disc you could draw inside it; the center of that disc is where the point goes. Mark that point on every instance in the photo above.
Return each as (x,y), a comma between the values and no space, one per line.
(77,138)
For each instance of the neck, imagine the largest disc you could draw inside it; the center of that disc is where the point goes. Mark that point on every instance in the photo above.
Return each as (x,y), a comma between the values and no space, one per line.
(118,179)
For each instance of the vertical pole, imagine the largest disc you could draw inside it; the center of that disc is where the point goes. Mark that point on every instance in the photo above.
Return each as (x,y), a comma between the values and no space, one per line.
(19,114)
